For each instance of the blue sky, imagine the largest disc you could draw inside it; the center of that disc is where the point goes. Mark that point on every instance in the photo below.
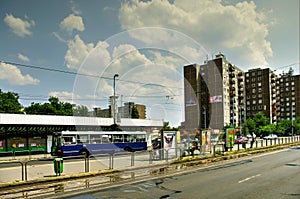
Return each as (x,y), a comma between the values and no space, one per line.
(145,42)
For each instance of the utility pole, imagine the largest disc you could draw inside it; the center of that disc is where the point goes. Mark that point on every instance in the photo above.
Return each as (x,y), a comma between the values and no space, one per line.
(114,99)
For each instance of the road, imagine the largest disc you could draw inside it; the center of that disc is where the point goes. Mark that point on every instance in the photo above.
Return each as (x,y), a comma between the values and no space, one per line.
(268,176)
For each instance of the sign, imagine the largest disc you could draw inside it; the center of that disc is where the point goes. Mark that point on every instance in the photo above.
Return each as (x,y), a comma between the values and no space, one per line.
(230,137)
(215,99)
(206,140)
(191,102)
(169,139)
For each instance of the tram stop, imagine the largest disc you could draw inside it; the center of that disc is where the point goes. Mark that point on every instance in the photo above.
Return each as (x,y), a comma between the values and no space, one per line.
(58,165)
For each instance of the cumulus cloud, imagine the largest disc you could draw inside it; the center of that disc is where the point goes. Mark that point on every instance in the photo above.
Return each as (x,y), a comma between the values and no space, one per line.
(23,57)
(77,51)
(20,27)
(142,71)
(65,96)
(72,22)
(14,76)
(238,29)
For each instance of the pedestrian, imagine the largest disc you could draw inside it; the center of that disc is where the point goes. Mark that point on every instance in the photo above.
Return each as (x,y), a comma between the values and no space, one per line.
(252,139)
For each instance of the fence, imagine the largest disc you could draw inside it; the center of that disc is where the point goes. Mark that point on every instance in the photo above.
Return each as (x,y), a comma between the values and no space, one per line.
(24,169)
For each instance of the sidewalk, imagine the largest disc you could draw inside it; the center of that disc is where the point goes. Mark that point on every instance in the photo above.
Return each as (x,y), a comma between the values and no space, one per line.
(25,157)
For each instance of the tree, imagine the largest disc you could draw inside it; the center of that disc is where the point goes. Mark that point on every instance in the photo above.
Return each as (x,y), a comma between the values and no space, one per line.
(249,126)
(9,102)
(135,113)
(260,119)
(80,110)
(167,127)
(55,107)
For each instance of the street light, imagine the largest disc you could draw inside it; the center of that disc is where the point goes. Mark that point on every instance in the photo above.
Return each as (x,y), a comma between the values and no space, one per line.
(114,98)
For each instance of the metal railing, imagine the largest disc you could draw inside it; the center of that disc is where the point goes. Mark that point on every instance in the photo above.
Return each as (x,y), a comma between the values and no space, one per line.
(30,168)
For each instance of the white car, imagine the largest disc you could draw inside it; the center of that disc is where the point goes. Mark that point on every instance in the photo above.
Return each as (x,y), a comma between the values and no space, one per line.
(270,137)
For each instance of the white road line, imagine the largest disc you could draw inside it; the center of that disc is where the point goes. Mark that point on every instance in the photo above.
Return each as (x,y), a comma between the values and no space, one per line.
(249,178)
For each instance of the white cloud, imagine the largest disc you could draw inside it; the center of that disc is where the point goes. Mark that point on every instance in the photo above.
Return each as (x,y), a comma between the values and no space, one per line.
(238,29)
(77,51)
(14,76)
(19,26)
(65,96)
(23,57)
(72,22)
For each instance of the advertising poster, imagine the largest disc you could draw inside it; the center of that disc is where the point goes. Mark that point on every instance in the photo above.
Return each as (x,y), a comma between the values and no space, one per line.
(230,137)
(206,140)
(169,139)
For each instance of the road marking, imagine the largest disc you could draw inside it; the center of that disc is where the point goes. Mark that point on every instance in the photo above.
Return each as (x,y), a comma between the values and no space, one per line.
(249,178)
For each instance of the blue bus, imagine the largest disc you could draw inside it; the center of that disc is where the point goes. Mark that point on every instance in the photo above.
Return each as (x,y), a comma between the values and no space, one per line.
(74,143)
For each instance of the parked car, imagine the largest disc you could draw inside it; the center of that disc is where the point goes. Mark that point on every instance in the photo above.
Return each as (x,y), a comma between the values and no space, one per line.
(270,137)
(249,136)
(240,140)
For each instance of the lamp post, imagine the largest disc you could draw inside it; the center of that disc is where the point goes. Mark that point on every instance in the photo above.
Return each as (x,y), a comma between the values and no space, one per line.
(114,98)
(204,112)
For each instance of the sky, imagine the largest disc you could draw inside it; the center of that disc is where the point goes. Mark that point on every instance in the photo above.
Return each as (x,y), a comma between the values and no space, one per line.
(72,49)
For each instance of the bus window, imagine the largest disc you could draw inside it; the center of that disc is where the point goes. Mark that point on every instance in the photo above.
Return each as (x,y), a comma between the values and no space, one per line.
(67,140)
(141,138)
(117,138)
(105,139)
(83,139)
(128,138)
(95,139)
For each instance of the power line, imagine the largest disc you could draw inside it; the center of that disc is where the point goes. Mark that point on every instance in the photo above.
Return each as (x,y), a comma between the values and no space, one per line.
(81,74)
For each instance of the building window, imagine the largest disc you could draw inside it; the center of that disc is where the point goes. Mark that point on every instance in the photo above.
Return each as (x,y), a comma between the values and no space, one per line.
(253,74)
(259,95)
(259,84)
(247,74)
(253,85)
(259,90)
(253,79)
(259,72)
(281,80)
(254,102)
(260,107)
(260,101)
(259,78)
(253,90)
(254,108)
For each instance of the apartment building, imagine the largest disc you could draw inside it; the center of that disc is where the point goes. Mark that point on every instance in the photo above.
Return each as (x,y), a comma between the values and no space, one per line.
(261,93)
(214,94)
(124,111)
(288,103)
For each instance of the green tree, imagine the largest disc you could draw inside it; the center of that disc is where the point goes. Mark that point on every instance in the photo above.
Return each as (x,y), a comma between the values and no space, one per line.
(167,127)
(9,102)
(80,110)
(55,107)
(249,126)
(135,113)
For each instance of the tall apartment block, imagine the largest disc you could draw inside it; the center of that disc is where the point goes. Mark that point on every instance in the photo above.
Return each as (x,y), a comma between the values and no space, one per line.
(288,103)
(214,94)
(261,93)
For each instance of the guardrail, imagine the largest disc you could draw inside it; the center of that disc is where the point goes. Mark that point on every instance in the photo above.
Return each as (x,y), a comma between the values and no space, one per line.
(123,160)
